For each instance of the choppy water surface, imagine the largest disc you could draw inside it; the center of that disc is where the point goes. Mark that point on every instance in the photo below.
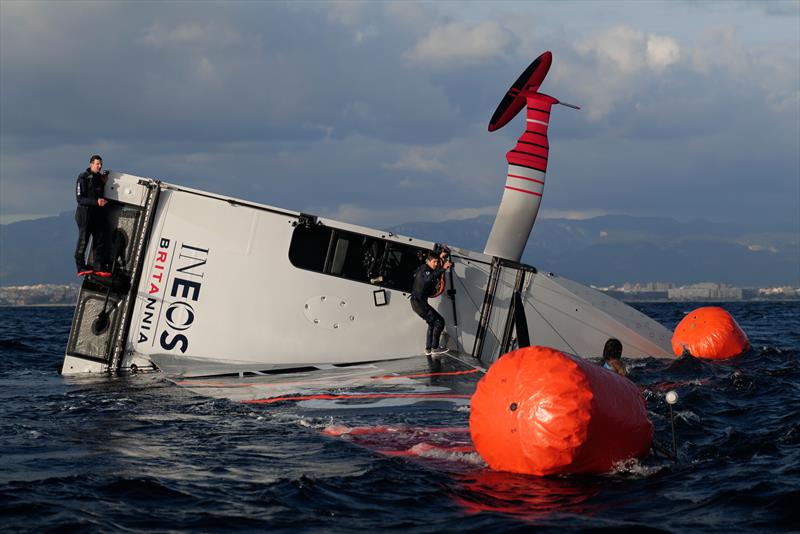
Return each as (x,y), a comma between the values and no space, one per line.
(138,453)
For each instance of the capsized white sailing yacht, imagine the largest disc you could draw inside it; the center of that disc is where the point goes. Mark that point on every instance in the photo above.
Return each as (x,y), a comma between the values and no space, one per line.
(205,284)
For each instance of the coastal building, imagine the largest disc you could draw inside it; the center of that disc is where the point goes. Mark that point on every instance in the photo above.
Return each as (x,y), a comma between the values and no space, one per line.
(779,292)
(705,291)
(39,295)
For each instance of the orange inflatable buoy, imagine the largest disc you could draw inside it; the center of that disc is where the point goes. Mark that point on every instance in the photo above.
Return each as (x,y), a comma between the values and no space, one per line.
(709,332)
(539,411)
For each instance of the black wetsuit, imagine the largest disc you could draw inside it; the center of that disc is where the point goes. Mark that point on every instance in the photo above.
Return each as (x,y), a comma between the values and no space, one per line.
(425,283)
(91,220)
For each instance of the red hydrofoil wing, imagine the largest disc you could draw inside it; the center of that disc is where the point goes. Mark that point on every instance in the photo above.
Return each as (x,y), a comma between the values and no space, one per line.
(514,99)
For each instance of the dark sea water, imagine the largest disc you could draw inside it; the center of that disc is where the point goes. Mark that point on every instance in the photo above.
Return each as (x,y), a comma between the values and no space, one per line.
(138,453)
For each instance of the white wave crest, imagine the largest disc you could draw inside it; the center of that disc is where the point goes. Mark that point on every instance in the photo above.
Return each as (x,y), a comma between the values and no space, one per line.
(632,468)
(426,450)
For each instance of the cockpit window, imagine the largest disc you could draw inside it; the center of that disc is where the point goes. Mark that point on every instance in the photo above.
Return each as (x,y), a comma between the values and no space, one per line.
(354,256)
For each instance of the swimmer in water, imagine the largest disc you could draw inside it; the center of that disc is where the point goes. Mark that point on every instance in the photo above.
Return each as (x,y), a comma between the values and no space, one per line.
(612,357)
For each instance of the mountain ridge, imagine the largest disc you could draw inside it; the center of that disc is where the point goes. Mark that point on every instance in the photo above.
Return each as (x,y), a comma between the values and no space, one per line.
(604,250)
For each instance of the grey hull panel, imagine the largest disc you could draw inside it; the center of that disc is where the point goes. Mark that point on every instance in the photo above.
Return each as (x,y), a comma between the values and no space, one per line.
(186,366)
(569,316)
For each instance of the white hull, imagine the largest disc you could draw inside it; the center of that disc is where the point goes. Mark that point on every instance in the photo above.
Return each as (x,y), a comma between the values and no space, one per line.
(218,285)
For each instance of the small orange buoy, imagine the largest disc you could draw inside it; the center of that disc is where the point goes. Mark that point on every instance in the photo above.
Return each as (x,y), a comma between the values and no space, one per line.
(709,332)
(539,411)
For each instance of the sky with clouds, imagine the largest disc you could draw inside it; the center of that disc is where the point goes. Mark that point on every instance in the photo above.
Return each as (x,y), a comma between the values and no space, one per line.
(376,112)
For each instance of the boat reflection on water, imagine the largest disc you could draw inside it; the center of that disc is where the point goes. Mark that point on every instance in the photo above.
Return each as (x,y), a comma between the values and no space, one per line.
(525,496)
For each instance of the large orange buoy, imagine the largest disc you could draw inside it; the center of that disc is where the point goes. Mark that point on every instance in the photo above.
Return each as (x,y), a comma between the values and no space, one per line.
(709,332)
(539,411)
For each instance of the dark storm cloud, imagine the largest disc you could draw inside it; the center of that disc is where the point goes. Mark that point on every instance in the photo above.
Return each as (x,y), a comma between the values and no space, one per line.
(216,97)
(378,112)
(263,71)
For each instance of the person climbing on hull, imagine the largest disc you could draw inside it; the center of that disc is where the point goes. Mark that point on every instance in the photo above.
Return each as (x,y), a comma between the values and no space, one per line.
(427,280)
(91,219)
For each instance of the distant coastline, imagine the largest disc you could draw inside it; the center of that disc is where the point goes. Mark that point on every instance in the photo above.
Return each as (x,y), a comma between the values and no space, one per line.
(65,295)
(677,301)
(62,305)
(613,252)
(39,295)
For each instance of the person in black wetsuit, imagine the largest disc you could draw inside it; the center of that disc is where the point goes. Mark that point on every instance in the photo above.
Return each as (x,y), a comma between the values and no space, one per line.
(91,219)
(426,280)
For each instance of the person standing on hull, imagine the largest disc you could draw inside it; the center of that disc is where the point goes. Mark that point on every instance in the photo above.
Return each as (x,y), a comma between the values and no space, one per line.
(427,278)
(91,219)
